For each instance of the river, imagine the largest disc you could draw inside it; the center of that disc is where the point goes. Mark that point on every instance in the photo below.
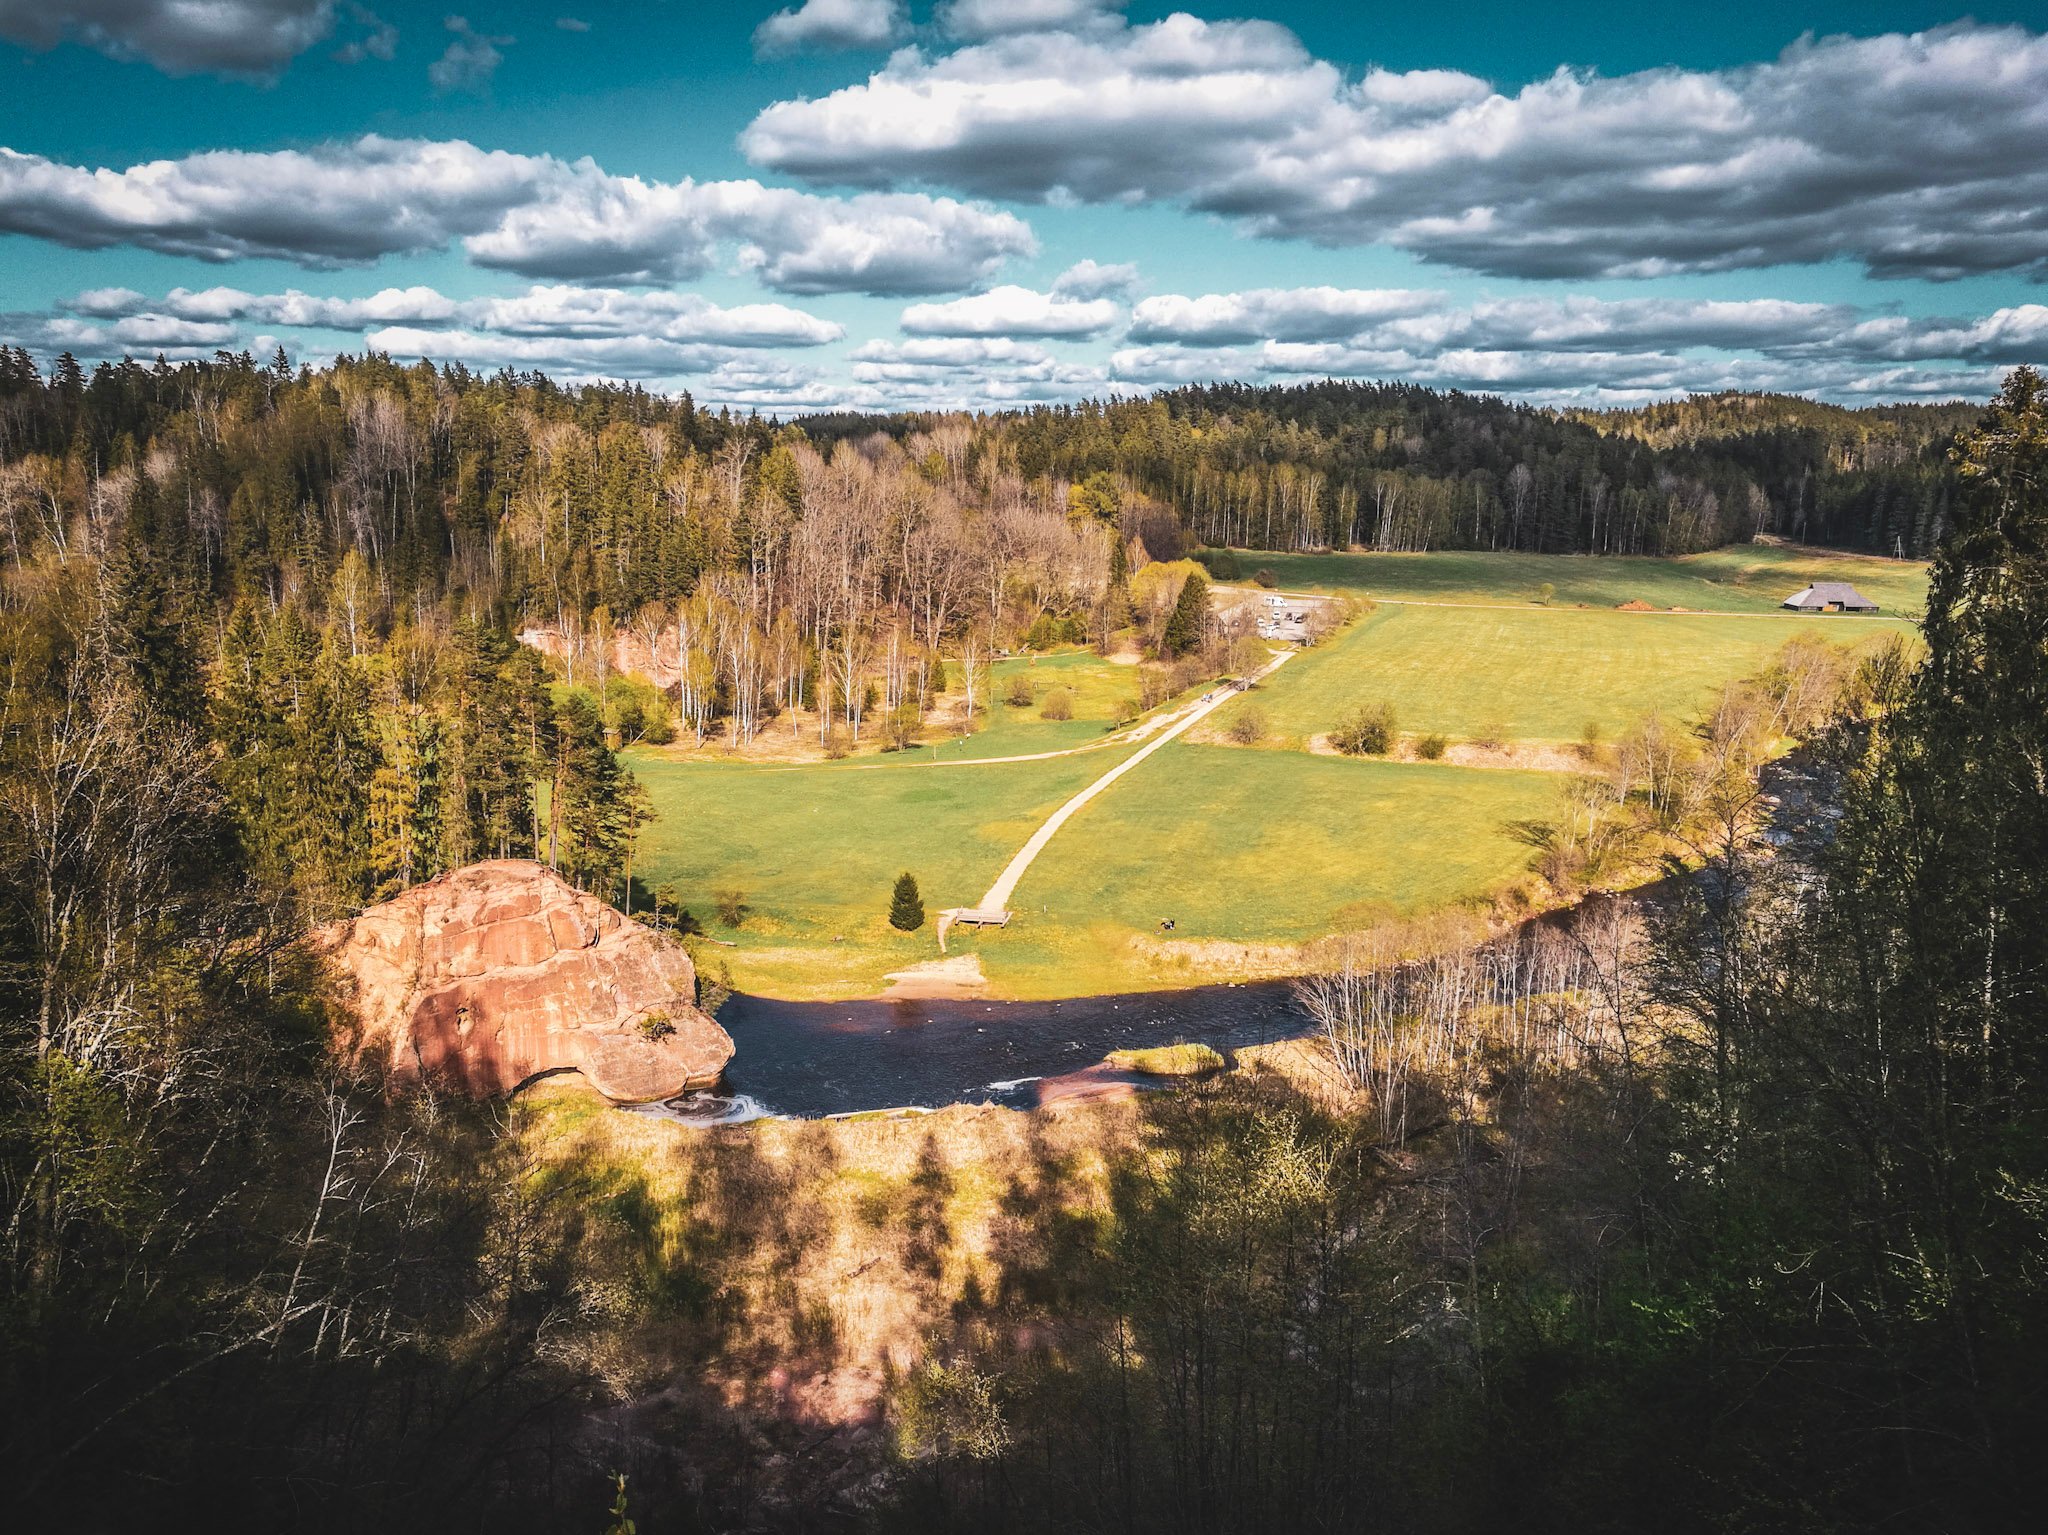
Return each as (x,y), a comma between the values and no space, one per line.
(816,1058)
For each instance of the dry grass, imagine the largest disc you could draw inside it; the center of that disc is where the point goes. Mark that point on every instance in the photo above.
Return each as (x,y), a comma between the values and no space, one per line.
(1181,1060)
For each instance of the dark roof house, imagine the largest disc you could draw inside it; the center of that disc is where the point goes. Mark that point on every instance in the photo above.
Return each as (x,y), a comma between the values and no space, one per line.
(1830,597)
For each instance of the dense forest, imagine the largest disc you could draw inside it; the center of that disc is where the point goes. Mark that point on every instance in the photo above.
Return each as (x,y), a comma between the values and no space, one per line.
(1735,1220)
(1400,467)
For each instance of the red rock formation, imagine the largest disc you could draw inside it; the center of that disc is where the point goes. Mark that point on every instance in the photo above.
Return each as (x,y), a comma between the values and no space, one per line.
(493,974)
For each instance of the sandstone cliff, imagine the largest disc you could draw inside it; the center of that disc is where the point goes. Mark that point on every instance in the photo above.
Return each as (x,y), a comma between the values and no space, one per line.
(496,973)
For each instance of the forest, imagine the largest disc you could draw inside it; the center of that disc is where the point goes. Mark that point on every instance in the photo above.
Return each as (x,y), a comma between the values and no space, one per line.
(1733,1218)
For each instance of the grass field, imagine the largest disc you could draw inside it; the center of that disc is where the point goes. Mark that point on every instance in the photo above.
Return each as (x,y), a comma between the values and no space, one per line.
(1237,847)
(1743,578)
(1101,691)
(1529,673)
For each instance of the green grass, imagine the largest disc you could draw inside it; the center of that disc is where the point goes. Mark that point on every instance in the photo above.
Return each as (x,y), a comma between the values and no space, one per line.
(815,849)
(1275,846)
(1101,690)
(1236,846)
(1181,1060)
(1743,578)
(1532,673)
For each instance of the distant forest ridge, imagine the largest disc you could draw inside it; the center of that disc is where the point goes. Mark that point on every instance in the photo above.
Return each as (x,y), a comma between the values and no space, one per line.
(1395,466)
(617,495)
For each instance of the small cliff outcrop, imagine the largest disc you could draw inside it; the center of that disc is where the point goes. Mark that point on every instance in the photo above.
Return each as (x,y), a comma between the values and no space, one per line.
(499,972)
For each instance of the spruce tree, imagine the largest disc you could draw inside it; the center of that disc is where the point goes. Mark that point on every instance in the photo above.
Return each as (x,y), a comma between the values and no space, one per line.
(906,907)
(1189,617)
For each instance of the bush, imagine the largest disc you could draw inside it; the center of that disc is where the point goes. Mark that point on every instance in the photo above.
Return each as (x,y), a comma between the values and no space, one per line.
(1368,733)
(1264,577)
(656,1026)
(1059,705)
(1222,564)
(1431,747)
(1022,691)
(1248,726)
(731,904)
(838,742)
(1491,736)
(660,728)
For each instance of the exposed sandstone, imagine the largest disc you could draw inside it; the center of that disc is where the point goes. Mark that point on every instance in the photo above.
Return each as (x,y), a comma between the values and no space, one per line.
(496,973)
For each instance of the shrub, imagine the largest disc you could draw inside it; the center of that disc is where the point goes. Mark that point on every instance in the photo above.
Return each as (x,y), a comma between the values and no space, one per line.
(1222,564)
(1248,726)
(1491,736)
(656,1026)
(1043,633)
(1022,691)
(1431,747)
(900,727)
(906,904)
(731,903)
(1264,577)
(1368,733)
(838,742)
(1059,705)
(660,728)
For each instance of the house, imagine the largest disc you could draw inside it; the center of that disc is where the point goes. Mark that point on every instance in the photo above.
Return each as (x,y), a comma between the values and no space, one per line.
(1829,597)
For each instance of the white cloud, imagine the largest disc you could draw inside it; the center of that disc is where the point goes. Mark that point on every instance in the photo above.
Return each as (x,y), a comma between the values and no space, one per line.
(1286,313)
(469,61)
(1915,155)
(1012,311)
(247,38)
(824,25)
(551,311)
(1092,279)
(977,19)
(352,202)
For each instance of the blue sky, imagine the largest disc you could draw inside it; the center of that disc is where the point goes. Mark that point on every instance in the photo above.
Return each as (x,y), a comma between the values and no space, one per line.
(1040,199)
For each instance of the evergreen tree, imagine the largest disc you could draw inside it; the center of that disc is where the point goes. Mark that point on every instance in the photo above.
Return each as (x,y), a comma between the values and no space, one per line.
(906,905)
(1189,619)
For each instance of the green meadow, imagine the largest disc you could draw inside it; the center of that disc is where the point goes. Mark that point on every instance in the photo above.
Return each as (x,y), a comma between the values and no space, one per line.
(1743,578)
(1530,673)
(1234,846)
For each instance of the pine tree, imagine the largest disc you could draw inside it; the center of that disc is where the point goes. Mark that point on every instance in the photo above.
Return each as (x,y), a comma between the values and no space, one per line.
(906,906)
(1190,616)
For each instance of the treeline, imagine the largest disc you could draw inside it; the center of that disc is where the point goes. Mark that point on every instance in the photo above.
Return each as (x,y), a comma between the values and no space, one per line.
(1400,467)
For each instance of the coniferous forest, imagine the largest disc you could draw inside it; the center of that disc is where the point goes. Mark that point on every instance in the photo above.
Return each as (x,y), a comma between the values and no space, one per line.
(1764,1249)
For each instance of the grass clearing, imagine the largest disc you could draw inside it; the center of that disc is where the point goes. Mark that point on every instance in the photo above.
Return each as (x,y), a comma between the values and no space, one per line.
(1538,674)
(1742,578)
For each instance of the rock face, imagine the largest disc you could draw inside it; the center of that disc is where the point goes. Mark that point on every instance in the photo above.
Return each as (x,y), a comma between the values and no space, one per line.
(494,974)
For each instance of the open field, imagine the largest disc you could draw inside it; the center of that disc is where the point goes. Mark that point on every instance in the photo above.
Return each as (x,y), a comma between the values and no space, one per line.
(1529,674)
(1246,851)
(1743,578)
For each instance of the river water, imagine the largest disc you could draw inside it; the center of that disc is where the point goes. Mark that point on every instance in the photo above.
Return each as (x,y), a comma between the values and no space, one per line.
(817,1058)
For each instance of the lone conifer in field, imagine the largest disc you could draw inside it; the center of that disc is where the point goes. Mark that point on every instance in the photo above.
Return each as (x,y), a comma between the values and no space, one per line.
(906,907)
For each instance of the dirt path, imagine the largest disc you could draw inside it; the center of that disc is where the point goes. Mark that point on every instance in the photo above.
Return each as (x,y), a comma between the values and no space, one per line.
(998,896)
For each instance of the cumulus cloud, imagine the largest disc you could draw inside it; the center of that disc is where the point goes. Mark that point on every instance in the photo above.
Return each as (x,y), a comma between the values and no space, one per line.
(469,61)
(248,38)
(978,19)
(1012,311)
(1914,155)
(539,216)
(541,311)
(824,25)
(1092,279)
(1283,313)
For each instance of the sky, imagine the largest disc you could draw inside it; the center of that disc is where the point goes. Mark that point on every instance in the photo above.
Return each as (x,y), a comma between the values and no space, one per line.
(879,204)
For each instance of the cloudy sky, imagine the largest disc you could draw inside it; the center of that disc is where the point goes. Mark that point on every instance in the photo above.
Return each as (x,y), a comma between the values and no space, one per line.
(900,203)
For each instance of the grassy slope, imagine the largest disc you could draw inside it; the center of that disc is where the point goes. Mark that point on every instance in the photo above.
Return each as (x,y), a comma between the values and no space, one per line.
(1100,690)
(1533,673)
